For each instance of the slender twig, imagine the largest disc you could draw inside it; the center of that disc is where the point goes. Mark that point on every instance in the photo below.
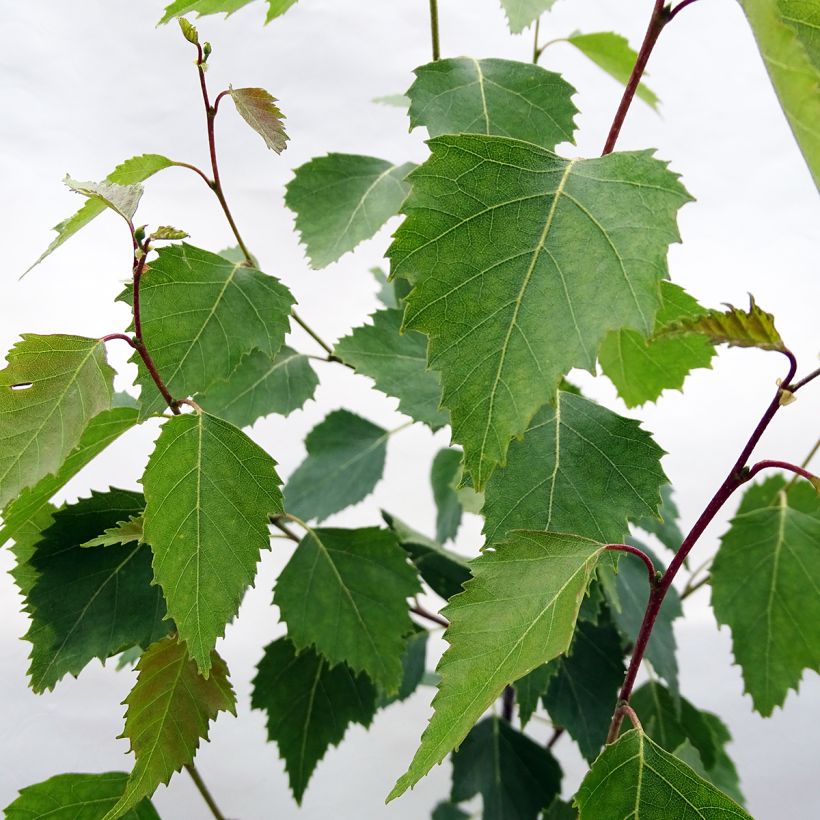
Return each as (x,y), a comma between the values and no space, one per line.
(812,453)
(203,790)
(331,356)
(780,465)
(121,336)
(508,703)
(434,28)
(276,521)
(680,7)
(419,610)
(659,18)
(198,171)
(653,575)
(536,52)
(556,736)
(691,588)
(625,709)
(804,381)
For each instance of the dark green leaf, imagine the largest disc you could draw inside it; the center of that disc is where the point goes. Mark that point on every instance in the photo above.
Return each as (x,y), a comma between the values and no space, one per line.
(503,97)
(559,810)
(449,811)
(345,593)
(209,491)
(308,706)
(444,477)
(515,777)
(413,663)
(528,690)
(26,538)
(723,774)
(345,461)
(667,530)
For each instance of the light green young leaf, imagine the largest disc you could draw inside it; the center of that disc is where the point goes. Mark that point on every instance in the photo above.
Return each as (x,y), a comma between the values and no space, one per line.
(397,363)
(169,711)
(104,428)
(613,54)
(189,31)
(342,199)
(123,532)
(785,31)
(345,593)
(514,307)
(50,390)
(166,233)
(641,369)
(76,797)
(580,468)
(260,386)
(521,13)
(131,172)
(209,491)
(626,780)
(122,199)
(308,705)
(201,315)
(87,604)
(228,7)
(766,588)
(511,99)
(445,474)
(258,108)
(345,461)
(514,775)
(495,639)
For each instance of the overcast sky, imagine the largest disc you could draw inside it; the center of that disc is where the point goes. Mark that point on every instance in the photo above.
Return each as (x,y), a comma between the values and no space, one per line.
(89,83)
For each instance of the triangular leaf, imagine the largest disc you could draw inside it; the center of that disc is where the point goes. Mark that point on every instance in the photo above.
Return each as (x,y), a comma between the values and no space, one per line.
(51,389)
(520,13)
(504,97)
(258,108)
(308,706)
(342,199)
(345,593)
(493,642)
(513,309)
(209,491)
(345,461)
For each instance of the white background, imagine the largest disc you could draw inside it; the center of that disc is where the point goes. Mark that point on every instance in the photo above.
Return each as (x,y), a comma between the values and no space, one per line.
(89,83)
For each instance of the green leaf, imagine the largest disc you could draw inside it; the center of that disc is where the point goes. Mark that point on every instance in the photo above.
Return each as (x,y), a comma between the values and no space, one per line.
(513,309)
(517,612)
(202,7)
(503,97)
(395,100)
(528,690)
(49,392)
(122,199)
(449,811)
(89,603)
(520,13)
(580,468)
(209,491)
(342,199)
(641,369)
(414,665)
(76,797)
(444,477)
(766,588)
(168,713)
(559,810)
(391,294)
(277,8)
(258,108)
(345,461)
(784,30)
(262,385)
(123,532)
(167,233)
(345,593)
(514,775)
(582,695)
(308,705)
(613,54)
(131,172)
(104,428)
(26,538)
(665,529)
(189,31)
(723,774)
(397,363)
(635,777)
(201,314)
(735,327)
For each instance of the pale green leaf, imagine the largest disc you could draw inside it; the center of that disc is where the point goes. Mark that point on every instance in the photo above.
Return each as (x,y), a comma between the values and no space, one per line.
(169,711)
(342,199)
(87,604)
(635,777)
(76,797)
(444,477)
(308,705)
(123,532)
(277,8)
(521,13)
(258,108)
(167,233)
(209,491)
(766,588)
(641,369)
(511,99)
(514,775)
(103,429)
(260,386)
(345,461)
(517,612)
(784,33)
(580,468)
(345,593)
(514,306)
(122,199)
(395,100)
(50,390)
(613,54)
(201,314)
(397,363)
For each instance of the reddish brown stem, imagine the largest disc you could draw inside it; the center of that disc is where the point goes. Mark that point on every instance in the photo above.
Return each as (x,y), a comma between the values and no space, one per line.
(804,381)
(680,7)
(430,616)
(556,736)
(508,703)
(780,465)
(653,575)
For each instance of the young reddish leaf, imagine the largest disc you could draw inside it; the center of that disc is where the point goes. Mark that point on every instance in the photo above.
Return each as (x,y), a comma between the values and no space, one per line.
(258,108)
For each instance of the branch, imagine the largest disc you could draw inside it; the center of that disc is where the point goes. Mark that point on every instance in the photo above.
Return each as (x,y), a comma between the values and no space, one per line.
(804,381)
(782,465)
(434,29)
(508,703)
(419,610)
(653,575)
(679,8)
